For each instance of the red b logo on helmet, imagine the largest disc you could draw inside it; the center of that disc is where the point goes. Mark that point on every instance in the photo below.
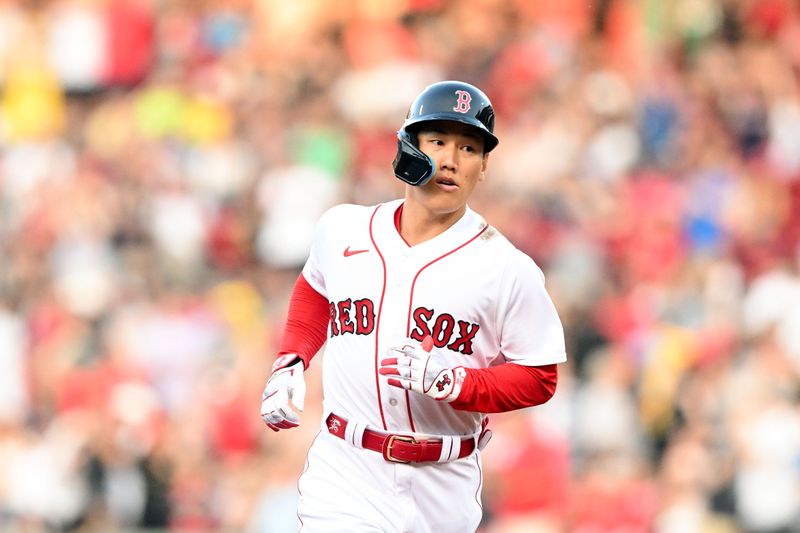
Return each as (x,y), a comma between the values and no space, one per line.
(462,105)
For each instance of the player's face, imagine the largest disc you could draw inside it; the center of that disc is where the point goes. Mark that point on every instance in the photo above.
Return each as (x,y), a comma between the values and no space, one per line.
(459,164)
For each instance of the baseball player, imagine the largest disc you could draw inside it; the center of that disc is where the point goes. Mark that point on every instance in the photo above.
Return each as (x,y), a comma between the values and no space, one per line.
(432,319)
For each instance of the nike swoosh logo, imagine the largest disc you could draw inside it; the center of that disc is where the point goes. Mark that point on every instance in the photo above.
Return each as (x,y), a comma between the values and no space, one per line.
(348,252)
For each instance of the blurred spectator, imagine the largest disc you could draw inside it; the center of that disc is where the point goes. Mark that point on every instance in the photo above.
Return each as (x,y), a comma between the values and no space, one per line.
(14,395)
(77,43)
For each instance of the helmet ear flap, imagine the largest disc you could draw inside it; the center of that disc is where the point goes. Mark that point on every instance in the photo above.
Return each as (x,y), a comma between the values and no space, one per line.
(411,164)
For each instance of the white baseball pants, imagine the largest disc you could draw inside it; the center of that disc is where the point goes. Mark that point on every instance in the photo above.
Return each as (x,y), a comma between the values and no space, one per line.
(348,489)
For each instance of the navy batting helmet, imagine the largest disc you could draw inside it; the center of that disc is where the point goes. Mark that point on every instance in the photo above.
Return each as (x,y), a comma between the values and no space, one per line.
(454,101)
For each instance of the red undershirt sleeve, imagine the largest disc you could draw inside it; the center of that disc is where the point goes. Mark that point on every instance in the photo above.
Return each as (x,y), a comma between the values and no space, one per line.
(506,387)
(307,322)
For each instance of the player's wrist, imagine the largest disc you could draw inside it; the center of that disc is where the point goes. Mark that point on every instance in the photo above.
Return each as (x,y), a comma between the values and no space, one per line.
(286,360)
(457,376)
(446,386)
(285,391)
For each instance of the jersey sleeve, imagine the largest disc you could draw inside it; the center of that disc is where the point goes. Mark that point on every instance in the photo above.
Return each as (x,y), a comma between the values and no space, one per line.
(314,269)
(530,331)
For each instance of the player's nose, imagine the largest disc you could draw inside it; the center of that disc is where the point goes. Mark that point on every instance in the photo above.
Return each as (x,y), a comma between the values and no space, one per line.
(449,157)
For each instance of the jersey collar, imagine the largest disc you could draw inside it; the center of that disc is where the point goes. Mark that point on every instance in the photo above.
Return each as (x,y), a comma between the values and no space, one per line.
(388,237)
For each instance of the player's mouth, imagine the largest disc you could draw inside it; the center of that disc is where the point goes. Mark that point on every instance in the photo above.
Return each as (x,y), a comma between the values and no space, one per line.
(447,184)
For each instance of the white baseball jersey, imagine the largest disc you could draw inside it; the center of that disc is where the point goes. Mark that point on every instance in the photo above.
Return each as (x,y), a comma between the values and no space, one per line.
(482,301)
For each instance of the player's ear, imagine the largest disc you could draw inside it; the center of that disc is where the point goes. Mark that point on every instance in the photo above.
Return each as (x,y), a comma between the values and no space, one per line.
(484,164)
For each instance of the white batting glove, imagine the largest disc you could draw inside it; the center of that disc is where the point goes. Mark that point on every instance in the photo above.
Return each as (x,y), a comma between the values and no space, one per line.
(413,367)
(286,384)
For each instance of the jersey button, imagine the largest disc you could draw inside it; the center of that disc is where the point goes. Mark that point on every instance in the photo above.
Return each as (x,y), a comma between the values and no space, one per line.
(392,402)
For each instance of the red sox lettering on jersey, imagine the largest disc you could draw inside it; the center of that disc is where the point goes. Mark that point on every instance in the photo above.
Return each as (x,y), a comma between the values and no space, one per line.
(352,316)
(443,330)
(358,317)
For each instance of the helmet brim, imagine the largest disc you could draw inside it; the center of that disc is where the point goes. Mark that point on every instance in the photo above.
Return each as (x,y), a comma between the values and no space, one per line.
(489,143)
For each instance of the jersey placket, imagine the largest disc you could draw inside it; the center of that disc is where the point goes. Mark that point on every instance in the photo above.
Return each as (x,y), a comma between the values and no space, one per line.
(403,266)
(399,273)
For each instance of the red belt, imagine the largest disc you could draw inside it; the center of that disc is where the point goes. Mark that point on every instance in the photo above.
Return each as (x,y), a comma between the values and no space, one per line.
(398,448)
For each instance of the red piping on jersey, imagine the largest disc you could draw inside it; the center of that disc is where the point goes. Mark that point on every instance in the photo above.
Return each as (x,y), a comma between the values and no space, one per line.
(378,318)
(411,302)
(397,214)
(480,483)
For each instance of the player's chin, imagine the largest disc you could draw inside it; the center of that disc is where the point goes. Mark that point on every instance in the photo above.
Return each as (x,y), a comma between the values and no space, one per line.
(439,201)
(446,203)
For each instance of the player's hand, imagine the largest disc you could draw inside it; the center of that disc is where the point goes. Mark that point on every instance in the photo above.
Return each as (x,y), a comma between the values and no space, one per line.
(286,384)
(412,366)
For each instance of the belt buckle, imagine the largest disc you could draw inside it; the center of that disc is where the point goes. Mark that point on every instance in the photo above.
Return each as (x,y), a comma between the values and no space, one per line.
(390,442)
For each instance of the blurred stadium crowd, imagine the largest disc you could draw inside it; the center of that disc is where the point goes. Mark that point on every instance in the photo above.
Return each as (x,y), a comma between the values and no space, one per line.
(162,165)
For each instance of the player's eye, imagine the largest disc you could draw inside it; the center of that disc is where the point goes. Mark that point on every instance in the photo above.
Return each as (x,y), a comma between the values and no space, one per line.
(435,141)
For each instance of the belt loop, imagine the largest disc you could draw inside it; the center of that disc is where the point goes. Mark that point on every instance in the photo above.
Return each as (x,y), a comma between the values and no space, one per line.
(451,447)
(354,433)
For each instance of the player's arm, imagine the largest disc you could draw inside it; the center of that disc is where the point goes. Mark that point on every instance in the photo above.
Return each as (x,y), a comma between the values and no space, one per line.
(506,387)
(531,341)
(306,324)
(509,386)
(304,334)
